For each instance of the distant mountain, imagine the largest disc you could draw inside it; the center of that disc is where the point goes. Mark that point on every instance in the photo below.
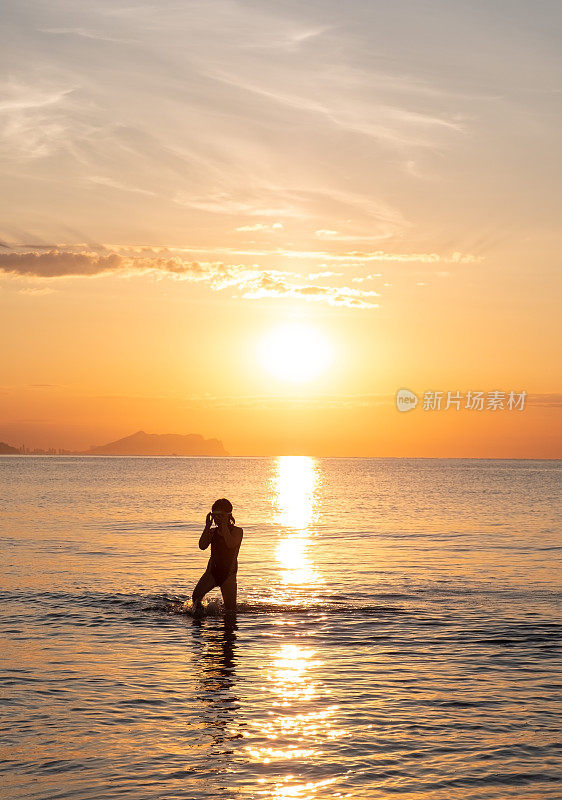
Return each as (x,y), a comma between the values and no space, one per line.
(160,444)
(8,450)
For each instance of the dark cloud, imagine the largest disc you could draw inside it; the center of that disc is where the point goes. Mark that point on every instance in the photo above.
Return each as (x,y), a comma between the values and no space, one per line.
(59,263)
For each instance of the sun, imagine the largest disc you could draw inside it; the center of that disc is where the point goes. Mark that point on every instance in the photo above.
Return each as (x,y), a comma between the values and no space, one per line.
(295,351)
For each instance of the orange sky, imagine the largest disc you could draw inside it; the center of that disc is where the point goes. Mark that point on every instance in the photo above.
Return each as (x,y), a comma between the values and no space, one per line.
(180,181)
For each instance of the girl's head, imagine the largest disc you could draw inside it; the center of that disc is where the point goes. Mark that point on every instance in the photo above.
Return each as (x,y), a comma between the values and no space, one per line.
(222,509)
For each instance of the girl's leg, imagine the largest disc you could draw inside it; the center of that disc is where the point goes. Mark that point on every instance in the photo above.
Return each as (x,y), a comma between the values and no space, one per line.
(228,591)
(205,583)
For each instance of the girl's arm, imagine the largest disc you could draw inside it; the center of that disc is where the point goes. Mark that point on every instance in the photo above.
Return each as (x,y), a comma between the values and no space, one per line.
(207,535)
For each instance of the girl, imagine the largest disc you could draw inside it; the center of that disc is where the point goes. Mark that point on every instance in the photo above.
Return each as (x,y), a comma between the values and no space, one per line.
(225,540)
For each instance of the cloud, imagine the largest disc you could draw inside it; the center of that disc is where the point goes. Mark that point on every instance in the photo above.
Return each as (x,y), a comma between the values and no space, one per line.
(347,258)
(363,278)
(19,97)
(248,228)
(463,258)
(251,283)
(382,255)
(552,400)
(312,276)
(36,291)
(32,117)
(268,285)
(248,104)
(341,99)
(286,110)
(58,263)
(344,401)
(86,34)
(277,226)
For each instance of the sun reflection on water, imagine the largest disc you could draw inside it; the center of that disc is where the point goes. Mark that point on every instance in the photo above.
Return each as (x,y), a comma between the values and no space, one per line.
(296,483)
(295,487)
(303,725)
(302,791)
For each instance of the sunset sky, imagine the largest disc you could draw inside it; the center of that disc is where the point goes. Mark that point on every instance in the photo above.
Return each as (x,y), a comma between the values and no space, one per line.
(258,220)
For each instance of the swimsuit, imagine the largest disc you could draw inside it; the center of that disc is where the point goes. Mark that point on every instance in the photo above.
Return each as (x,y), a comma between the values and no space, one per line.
(223,563)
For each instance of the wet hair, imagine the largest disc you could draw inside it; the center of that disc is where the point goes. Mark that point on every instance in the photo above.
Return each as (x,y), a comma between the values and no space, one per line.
(222,504)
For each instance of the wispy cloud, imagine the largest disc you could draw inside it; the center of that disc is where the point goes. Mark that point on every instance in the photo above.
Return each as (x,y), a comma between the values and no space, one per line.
(33,118)
(552,400)
(36,291)
(259,226)
(346,257)
(18,96)
(86,34)
(363,124)
(219,138)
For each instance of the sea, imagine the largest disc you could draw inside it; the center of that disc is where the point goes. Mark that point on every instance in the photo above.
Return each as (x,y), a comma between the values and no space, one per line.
(397,636)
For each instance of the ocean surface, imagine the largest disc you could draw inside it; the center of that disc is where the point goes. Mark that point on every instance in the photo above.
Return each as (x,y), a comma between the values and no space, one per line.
(398,632)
